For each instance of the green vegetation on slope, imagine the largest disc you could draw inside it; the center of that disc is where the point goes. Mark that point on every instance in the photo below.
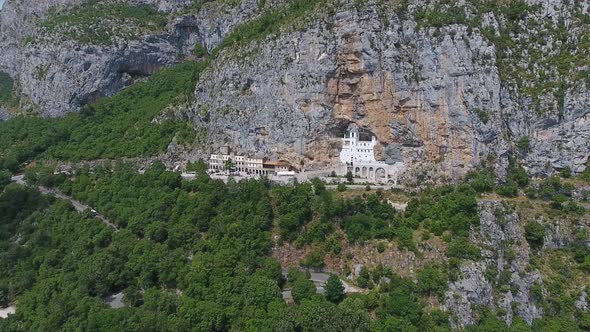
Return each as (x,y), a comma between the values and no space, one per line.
(100,22)
(268,23)
(308,214)
(120,126)
(196,255)
(524,56)
(6,89)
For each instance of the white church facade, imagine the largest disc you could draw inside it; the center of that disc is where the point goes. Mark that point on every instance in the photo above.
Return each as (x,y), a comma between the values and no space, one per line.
(358,157)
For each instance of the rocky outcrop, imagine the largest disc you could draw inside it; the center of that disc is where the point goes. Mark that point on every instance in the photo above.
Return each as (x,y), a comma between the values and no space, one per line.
(439,98)
(433,95)
(56,75)
(502,279)
(414,91)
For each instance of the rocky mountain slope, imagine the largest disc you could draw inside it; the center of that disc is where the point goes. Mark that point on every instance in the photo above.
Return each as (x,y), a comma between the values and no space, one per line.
(442,84)
(447,87)
(63,56)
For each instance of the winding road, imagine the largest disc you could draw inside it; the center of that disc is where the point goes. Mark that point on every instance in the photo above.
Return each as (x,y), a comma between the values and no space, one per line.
(79,206)
(320,280)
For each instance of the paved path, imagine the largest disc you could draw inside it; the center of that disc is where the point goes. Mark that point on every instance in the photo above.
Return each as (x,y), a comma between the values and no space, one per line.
(5,312)
(79,206)
(320,280)
(363,186)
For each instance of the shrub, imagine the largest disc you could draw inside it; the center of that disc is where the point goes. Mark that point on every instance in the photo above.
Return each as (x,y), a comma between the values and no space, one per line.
(364,278)
(314,259)
(406,239)
(524,143)
(517,175)
(461,248)
(432,281)
(566,172)
(507,190)
(199,51)
(482,181)
(440,16)
(341,187)
(6,88)
(534,233)
(483,116)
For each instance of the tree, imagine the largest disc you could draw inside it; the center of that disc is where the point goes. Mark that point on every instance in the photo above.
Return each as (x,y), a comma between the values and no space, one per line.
(349,176)
(303,288)
(229,165)
(334,289)
(259,291)
(432,281)
(199,167)
(318,186)
(317,315)
(352,315)
(4,179)
(534,233)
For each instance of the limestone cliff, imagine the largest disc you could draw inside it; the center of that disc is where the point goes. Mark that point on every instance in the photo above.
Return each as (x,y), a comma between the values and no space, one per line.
(58,69)
(437,94)
(443,85)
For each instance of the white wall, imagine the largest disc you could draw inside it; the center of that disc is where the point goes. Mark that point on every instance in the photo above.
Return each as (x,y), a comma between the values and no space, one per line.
(357,151)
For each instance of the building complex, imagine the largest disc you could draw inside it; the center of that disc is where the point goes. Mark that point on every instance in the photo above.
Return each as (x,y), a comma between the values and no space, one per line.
(358,157)
(228,161)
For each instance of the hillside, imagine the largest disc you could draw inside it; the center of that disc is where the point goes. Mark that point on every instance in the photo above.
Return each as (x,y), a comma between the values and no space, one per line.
(442,85)
(483,108)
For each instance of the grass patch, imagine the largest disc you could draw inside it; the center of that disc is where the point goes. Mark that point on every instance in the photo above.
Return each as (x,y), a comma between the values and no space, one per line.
(268,23)
(100,22)
(120,126)
(6,89)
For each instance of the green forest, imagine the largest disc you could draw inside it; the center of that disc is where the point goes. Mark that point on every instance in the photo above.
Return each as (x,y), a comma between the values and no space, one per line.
(116,127)
(195,255)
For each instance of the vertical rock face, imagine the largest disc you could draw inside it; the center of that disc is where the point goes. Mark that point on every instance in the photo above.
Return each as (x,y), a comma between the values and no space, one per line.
(434,94)
(503,278)
(435,97)
(415,92)
(55,75)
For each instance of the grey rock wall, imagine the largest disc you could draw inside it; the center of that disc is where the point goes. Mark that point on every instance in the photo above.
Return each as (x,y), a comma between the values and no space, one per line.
(434,94)
(57,76)
(434,97)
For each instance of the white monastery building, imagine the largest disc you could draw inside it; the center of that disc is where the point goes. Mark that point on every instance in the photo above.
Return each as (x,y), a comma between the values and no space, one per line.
(358,157)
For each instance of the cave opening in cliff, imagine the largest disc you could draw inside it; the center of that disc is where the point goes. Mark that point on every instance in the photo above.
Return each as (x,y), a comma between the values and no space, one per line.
(341,127)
